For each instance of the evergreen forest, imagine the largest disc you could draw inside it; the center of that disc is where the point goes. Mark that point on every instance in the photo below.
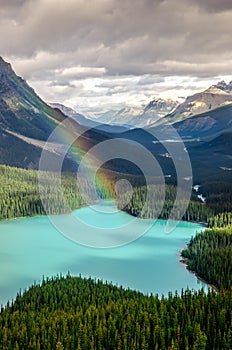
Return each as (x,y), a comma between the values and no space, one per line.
(84,314)
(74,313)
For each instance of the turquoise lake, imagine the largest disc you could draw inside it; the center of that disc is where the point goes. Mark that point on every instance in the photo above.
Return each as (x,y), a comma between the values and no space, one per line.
(31,248)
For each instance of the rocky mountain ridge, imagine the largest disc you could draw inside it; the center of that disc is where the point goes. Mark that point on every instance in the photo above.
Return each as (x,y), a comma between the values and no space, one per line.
(140,116)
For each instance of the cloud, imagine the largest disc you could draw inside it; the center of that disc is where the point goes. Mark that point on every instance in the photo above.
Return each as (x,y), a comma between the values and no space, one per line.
(82,72)
(65,83)
(214,5)
(62,42)
(150,80)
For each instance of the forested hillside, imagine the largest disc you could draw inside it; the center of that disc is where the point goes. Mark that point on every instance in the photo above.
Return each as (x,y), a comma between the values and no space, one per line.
(209,254)
(74,313)
(20,194)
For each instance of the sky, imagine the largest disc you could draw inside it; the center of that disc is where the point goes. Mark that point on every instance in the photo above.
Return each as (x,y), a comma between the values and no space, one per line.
(98,55)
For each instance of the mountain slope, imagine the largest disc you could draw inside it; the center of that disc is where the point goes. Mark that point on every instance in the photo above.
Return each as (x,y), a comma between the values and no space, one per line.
(69,112)
(157,109)
(122,117)
(208,124)
(26,122)
(212,160)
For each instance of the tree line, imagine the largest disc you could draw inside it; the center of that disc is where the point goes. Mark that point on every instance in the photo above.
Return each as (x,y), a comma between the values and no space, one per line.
(21,195)
(160,205)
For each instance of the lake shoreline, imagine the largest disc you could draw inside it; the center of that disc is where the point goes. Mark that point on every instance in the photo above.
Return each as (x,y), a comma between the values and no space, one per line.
(26,241)
(203,224)
(184,262)
(45,215)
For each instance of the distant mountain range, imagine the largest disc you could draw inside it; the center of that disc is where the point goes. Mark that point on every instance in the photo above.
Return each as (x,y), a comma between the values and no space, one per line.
(203,115)
(139,116)
(204,120)
(205,125)
(86,121)
(160,111)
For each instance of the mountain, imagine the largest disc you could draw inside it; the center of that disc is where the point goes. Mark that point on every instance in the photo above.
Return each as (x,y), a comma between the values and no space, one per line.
(225,87)
(213,97)
(157,109)
(71,113)
(140,116)
(26,122)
